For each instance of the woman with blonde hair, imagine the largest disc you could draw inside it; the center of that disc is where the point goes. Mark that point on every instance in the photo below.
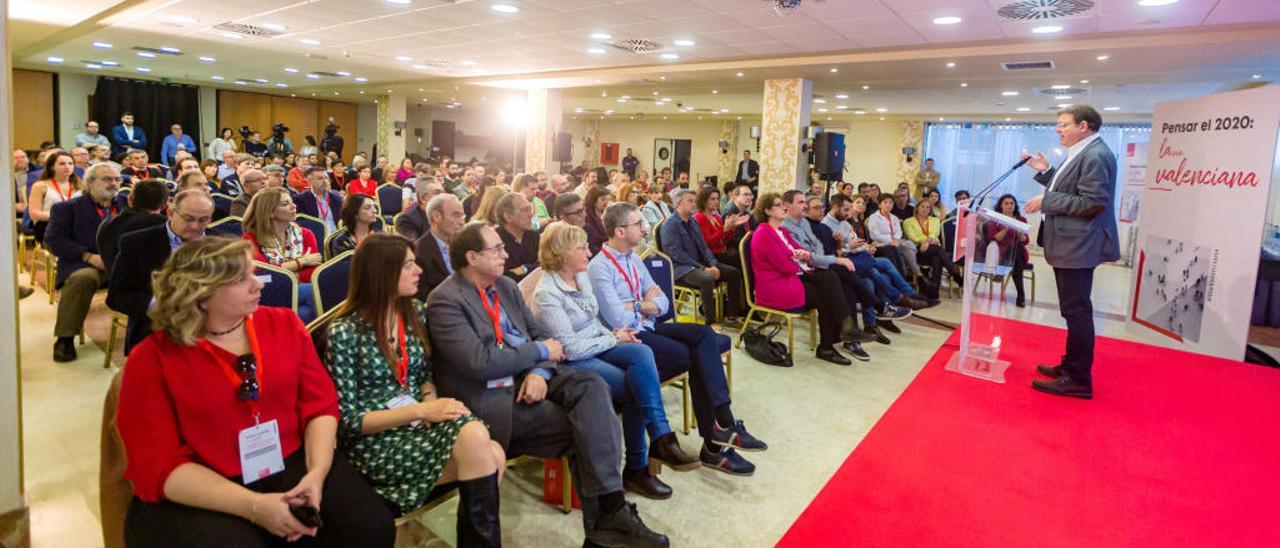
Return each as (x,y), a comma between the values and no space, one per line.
(229,419)
(277,240)
(57,183)
(489,204)
(397,433)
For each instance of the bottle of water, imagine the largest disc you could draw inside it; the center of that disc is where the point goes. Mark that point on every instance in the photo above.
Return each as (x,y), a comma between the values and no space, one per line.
(993,258)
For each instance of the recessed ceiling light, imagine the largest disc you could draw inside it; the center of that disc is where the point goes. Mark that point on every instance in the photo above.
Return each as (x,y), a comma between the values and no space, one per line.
(290,70)
(724,110)
(604,94)
(504,8)
(146,54)
(684,43)
(666,99)
(403,58)
(273,26)
(964,84)
(335,93)
(343,73)
(310,41)
(282,85)
(842,107)
(1009,93)
(864,88)
(102,45)
(1084,81)
(261,80)
(218,78)
(1155,3)
(143,69)
(109,63)
(951,65)
(169,49)
(1112,109)
(822,110)
(207,59)
(715,91)
(1008,119)
(948,20)
(420,66)
(621,100)
(941,119)
(1060,86)
(834,70)
(1103,57)
(601,36)
(313,76)
(1257,76)
(239,82)
(1047,29)
(361,79)
(1064,105)
(1024,109)
(882,109)
(93,66)
(670,56)
(739,75)
(389,91)
(362,92)
(420,90)
(1062,98)
(596,51)
(185,19)
(400,2)
(842,96)
(233,35)
(820,101)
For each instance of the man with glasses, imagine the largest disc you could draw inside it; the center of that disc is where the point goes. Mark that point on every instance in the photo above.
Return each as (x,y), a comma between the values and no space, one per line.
(741,200)
(445,215)
(319,200)
(175,142)
(91,137)
(571,209)
(72,236)
(144,209)
(144,251)
(253,181)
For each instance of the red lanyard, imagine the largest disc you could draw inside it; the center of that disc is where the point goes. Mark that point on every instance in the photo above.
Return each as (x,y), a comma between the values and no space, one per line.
(322,204)
(888,219)
(402,366)
(71,189)
(634,287)
(230,371)
(495,313)
(103,215)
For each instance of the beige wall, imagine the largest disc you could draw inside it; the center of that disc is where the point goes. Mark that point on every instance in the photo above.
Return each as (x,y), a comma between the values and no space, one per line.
(871,151)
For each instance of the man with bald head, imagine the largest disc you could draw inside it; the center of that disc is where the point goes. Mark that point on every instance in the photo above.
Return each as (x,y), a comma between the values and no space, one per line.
(432,249)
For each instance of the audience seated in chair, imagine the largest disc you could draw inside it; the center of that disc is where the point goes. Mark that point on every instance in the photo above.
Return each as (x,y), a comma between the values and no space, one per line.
(925,231)
(72,238)
(568,310)
(253,181)
(500,363)
(319,200)
(146,209)
(717,231)
(695,265)
(359,221)
(278,241)
(514,214)
(220,368)
(412,223)
(629,298)
(886,229)
(431,251)
(55,184)
(741,199)
(143,252)
(571,209)
(394,429)
(598,198)
(1013,246)
(793,280)
(891,288)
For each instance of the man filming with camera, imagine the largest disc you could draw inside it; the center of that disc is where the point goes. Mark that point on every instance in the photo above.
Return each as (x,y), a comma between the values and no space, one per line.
(279,145)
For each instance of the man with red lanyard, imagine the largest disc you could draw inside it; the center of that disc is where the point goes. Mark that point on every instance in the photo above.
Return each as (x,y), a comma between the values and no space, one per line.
(628,297)
(320,202)
(72,236)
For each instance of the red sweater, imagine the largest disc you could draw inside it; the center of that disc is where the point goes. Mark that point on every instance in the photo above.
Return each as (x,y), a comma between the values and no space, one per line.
(177,405)
(777,277)
(712,227)
(356,186)
(308,246)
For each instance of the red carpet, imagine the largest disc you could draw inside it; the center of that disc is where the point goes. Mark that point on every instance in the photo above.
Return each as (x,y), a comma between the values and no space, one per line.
(1175,449)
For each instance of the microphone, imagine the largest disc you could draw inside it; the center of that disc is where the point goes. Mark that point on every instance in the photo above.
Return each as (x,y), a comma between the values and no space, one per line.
(1021,162)
(982,195)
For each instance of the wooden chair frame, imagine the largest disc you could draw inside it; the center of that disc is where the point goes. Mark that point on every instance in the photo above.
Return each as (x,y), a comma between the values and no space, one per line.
(767,313)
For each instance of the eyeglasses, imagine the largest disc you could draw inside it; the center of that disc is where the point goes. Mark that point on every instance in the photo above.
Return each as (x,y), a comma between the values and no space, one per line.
(496,248)
(247,366)
(570,213)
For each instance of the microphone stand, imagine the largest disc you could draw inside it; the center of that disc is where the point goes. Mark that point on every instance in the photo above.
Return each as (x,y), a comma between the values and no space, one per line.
(982,195)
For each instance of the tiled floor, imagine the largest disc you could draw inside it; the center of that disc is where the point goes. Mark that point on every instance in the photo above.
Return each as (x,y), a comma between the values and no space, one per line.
(812,415)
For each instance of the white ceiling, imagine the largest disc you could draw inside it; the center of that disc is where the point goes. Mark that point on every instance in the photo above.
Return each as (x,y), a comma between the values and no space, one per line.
(454,45)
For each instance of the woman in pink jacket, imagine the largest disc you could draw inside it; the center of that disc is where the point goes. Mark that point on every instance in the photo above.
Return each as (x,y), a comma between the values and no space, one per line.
(786,279)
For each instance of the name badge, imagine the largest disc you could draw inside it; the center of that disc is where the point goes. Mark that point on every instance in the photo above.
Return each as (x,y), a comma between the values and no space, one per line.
(504,382)
(260,453)
(401,401)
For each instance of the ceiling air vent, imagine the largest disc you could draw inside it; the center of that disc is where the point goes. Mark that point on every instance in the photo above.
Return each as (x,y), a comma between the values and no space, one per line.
(327,74)
(1028,65)
(157,51)
(1063,91)
(247,30)
(1039,10)
(636,45)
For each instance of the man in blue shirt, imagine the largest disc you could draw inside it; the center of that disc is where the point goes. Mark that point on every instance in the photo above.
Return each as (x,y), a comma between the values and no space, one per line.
(174,142)
(695,265)
(628,297)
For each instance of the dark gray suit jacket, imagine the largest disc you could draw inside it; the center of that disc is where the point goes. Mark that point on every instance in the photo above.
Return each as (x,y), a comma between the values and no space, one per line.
(465,354)
(1079,228)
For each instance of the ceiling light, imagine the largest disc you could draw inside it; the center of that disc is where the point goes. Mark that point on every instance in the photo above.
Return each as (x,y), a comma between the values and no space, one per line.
(834,70)
(1064,105)
(1024,109)
(596,51)
(420,66)
(290,70)
(724,110)
(604,94)
(670,56)
(310,41)
(941,119)
(184,19)
(109,63)
(948,20)
(168,49)
(859,112)
(1062,98)
(964,84)
(239,82)
(420,90)
(1155,3)
(313,76)
(882,109)
(1009,93)
(233,35)
(146,54)
(820,101)
(273,26)
(1084,81)
(1060,86)
(842,96)
(1103,57)
(361,79)
(1111,109)
(621,100)
(400,2)
(102,45)
(1047,29)
(1008,119)
(335,93)
(739,75)
(282,85)
(403,58)
(206,59)
(822,110)
(389,91)
(660,78)
(610,111)
(951,65)
(666,99)
(504,8)
(684,43)
(362,92)
(143,69)
(93,66)
(715,91)
(601,36)
(655,94)
(842,107)
(1257,76)
(218,78)
(864,88)
(261,80)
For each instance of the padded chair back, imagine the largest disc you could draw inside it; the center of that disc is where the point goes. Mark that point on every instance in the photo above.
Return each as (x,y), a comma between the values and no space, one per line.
(319,330)
(280,286)
(949,236)
(664,274)
(527,287)
(748,277)
(316,226)
(390,198)
(222,202)
(330,282)
(327,248)
(226,226)
(657,240)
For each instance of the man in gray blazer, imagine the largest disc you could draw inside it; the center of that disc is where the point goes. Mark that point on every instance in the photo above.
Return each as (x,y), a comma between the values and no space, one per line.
(1078,234)
(490,354)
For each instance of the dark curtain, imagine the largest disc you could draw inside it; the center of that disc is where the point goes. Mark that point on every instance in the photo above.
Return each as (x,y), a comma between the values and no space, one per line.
(155,107)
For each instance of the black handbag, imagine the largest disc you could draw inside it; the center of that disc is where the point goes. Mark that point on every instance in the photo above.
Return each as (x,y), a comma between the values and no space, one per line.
(759,343)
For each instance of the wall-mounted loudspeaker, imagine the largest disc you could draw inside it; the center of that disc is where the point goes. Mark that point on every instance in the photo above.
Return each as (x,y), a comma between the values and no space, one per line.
(755,132)
(828,155)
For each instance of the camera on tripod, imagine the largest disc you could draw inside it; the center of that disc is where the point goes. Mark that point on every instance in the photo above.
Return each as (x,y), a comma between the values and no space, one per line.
(278,130)
(245,132)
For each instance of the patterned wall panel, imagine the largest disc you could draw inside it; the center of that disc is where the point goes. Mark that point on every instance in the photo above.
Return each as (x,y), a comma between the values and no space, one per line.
(912,136)
(593,136)
(536,133)
(384,124)
(728,160)
(786,114)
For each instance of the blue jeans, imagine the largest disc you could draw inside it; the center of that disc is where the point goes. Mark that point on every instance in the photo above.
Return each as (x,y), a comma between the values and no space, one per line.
(888,282)
(632,376)
(694,348)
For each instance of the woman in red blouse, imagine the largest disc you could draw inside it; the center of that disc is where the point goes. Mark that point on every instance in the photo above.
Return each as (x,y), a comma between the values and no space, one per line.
(713,226)
(222,381)
(365,184)
(277,240)
(1013,246)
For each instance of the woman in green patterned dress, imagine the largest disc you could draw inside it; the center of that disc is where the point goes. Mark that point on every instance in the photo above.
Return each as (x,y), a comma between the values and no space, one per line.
(397,433)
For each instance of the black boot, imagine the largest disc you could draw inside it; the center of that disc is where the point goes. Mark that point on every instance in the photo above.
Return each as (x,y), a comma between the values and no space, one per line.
(1021,300)
(478,524)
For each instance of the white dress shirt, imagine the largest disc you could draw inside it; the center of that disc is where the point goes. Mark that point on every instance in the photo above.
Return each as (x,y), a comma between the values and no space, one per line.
(1071,155)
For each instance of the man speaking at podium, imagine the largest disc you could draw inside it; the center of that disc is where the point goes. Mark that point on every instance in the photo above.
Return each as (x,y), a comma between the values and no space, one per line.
(1078,233)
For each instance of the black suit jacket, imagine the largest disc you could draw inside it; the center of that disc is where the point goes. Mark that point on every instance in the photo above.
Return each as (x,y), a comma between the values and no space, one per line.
(753,171)
(307,204)
(112,229)
(73,230)
(413,223)
(129,285)
(434,270)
